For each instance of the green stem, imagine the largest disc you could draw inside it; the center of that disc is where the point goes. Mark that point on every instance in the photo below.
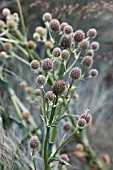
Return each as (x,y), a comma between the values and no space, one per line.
(19,58)
(33,153)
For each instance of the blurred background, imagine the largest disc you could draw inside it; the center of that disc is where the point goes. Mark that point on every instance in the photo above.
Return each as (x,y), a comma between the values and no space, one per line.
(96,94)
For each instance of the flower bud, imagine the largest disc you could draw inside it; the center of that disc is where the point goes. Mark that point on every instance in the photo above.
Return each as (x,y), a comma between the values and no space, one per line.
(75,73)
(59,87)
(84,44)
(67,126)
(68,29)
(95,46)
(87,61)
(40,30)
(81,123)
(34,65)
(62,26)
(6,12)
(11,24)
(36,36)
(8,46)
(31,45)
(93,72)
(65,54)
(49,45)
(56,52)
(79,36)
(34,142)
(50,95)
(65,41)
(54,25)
(41,80)
(47,17)
(92,33)
(47,64)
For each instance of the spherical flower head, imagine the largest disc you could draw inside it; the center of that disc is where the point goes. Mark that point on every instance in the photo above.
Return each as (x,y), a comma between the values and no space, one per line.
(68,29)
(11,24)
(49,45)
(34,65)
(67,126)
(38,92)
(65,158)
(62,26)
(8,46)
(34,142)
(2,24)
(41,80)
(47,17)
(40,30)
(95,46)
(59,87)
(54,25)
(36,36)
(50,95)
(47,64)
(84,44)
(65,41)
(56,52)
(92,33)
(81,123)
(90,53)
(6,12)
(31,45)
(79,36)
(65,54)
(75,73)
(93,72)
(3,54)
(87,116)
(87,61)
(25,115)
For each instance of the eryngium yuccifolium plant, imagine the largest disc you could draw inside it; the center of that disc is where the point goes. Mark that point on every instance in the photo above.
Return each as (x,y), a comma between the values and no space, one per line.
(67,57)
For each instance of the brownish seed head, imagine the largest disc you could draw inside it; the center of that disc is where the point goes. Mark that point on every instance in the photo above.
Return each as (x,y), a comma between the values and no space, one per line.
(34,65)
(93,72)
(47,17)
(59,87)
(68,29)
(79,36)
(54,25)
(8,46)
(95,46)
(92,33)
(47,64)
(37,92)
(50,95)
(75,73)
(31,45)
(56,52)
(41,80)
(67,126)
(65,41)
(65,54)
(87,61)
(84,44)
(62,26)
(49,45)
(81,123)
(34,142)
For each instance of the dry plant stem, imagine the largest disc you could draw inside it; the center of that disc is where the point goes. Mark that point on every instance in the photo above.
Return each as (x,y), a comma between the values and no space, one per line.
(21,17)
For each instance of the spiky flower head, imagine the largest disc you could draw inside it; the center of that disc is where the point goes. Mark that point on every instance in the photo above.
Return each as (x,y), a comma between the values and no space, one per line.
(65,41)
(31,45)
(65,158)
(47,17)
(34,142)
(8,46)
(81,123)
(62,26)
(37,92)
(68,29)
(75,73)
(49,45)
(67,126)
(59,87)
(95,46)
(84,44)
(87,116)
(54,25)
(34,65)
(79,36)
(90,53)
(50,95)
(93,72)
(2,24)
(92,33)
(56,52)
(65,54)
(87,61)
(47,64)
(6,12)
(41,80)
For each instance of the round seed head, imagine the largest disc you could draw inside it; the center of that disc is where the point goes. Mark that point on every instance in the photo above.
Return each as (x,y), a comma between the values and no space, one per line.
(38,92)
(62,26)
(25,115)
(50,95)
(84,44)
(65,54)
(34,65)
(93,72)
(31,45)
(92,33)
(59,87)
(65,41)
(81,123)
(75,73)
(42,31)
(47,64)
(79,36)
(3,54)
(87,116)
(65,158)
(34,142)
(2,24)
(54,25)
(68,29)
(67,126)
(47,17)
(11,25)
(90,53)
(8,46)
(95,46)
(41,80)
(56,52)
(36,36)
(87,61)
(49,45)
(6,12)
